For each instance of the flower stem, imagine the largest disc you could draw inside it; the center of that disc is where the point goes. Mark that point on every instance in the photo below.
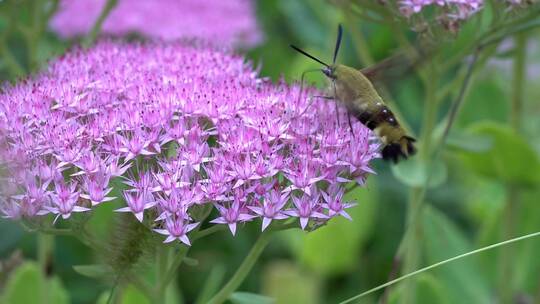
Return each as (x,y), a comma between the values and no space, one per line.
(92,36)
(510,211)
(243,270)
(518,83)
(45,249)
(413,234)
(170,274)
(162,261)
(45,244)
(208,231)
(419,196)
(138,282)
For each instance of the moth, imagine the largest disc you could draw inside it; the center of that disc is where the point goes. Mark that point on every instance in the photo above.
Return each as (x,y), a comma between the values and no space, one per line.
(353,89)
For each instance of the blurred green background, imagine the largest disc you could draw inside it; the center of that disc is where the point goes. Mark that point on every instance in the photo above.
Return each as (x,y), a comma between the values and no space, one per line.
(484,188)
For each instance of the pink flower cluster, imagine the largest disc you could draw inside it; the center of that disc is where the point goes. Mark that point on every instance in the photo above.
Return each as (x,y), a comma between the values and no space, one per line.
(228,23)
(452,9)
(176,127)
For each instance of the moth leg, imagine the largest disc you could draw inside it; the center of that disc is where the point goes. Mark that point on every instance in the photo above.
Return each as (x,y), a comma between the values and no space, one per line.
(324,97)
(302,81)
(350,124)
(311,102)
(336,96)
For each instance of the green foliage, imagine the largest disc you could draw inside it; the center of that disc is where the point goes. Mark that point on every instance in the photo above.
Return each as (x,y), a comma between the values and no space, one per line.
(97,271)
(430,290)
(132,295)
(416,173)
(288,284)
(27,284)
(469,142)
(463,280)
(248,298)
(511,158)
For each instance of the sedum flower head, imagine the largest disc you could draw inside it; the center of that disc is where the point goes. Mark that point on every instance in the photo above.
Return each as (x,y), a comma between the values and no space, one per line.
(450,11)
(230,22)
(177,127)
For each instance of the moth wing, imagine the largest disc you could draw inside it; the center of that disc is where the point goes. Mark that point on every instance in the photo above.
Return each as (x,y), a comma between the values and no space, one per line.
(399,64)
(395,66)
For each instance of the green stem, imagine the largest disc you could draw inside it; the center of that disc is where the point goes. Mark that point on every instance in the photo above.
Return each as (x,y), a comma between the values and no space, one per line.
(461,256)
(170,274)
(94,32)
(162,261)
(418,197)
(243,270)
(411,244)
(45,244)
(518,82)
(208,231)
(413,235)
(139,283)
(429,79)
(363,15)
(45,249)
(510,211)
(55,231)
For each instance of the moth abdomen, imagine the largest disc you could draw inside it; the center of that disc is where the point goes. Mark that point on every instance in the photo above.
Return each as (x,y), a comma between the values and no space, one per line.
(373,117)
(402,148)
(383,123)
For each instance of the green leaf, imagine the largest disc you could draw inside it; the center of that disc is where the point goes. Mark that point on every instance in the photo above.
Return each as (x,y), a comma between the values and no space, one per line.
(414,173)
(173,294)
(429,290)
(287,284)
(94,271)
(250,298)
(25,285)
(526,259)
(103,298)
(511,158)
(525,263)
(57,292)
(28,277)
(484,198)
(487,100)
(334,248)
(212,283)
(132,295)
(443,240)
(469,142)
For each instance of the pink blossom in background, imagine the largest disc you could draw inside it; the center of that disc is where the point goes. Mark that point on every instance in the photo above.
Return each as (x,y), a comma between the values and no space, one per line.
(452,9)
(179,126)
(226,23)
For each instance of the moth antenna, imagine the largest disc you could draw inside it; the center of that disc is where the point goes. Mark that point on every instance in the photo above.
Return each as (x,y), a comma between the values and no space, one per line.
(308,55)
(338,42)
